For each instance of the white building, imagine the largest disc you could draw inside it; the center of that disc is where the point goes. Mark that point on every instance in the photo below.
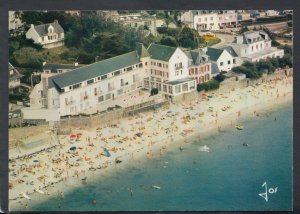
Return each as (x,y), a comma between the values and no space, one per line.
(168,71)
(209,20)
(254,46)
(140,21)
(272,13)
(221,59)
(87,87)
(48,35)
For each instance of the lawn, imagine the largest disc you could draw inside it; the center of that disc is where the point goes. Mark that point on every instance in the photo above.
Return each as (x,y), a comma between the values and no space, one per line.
(211,40)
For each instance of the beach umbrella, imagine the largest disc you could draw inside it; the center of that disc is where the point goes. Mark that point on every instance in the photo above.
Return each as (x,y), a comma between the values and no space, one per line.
(73,136)
(35,161)
(73,148)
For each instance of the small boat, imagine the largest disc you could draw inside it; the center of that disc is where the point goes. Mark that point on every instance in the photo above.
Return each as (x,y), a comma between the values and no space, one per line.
(245,144)
(239,127)
(204,148)
(26,196)
(39,191)
(156,187)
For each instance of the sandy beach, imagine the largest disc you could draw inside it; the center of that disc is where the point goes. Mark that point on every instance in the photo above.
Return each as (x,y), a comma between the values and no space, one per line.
(90,153)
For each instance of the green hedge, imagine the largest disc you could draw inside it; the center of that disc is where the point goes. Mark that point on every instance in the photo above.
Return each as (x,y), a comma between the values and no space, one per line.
(207,86)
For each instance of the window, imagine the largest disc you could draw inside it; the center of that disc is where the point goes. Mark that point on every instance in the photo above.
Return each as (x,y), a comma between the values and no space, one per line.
(170,90)
(256,47)
(129,68)
(234,61)
(76,85)
(252,48)
(98,78)
(100,99)
(221,63)
(141,64)
(177,89)
(260,46)
(117,73)
(228,62)
(90,81)
(42,39)
(104,77)
(165,88)
(107,96)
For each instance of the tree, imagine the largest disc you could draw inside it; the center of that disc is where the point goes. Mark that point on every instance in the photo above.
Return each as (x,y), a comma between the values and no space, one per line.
(286,60)
(168,41)
(220,77)
(27,57)
(265,65)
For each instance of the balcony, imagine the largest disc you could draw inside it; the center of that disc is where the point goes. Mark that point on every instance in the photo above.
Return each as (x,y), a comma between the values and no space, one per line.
(111,88)
(178,67)
(69,102)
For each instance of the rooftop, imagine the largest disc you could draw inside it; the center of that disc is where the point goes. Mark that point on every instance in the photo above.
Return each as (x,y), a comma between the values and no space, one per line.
(214,53)
(176,82)
(94,70)
(54,67)
(161,52)
(42,29)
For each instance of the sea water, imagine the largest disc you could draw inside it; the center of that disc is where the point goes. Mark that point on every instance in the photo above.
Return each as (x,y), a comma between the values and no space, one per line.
(229,177)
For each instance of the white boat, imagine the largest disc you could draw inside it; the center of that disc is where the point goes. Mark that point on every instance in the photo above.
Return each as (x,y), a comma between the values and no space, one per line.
(156,187)
(204,148)
(26,196)
(39,191)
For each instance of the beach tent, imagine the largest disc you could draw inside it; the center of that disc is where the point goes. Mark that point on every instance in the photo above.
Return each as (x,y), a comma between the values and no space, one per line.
(106,152)
(73,148)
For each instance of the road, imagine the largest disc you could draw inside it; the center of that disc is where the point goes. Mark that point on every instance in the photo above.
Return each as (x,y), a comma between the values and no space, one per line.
(225,39)
(272,26)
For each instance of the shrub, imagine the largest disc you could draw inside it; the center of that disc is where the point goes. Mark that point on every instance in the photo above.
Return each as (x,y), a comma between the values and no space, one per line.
(207,86)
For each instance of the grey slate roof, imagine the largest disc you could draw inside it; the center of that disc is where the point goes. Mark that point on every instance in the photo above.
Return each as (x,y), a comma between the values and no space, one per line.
(214,68)
(54,67)
(94,70)
(42,29)
(230,50)
(262,35)
(197,56)
(176,82)
(214,53)
(142,51)
(161,52)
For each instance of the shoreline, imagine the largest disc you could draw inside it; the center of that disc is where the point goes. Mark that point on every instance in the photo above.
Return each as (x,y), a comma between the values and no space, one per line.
(139,150)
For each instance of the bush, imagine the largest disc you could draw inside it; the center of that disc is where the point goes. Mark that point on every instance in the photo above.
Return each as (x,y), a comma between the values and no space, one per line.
(18,96)
(154,91)
(220,77)
(207,86)
(168,41)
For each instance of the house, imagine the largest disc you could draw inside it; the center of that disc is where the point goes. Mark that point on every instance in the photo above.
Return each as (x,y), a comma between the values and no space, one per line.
(204,20)
(168,71)
(199,65)
(221,59)
(111,15)
(254,46)
(49,35)
(14,78)
(140,21)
